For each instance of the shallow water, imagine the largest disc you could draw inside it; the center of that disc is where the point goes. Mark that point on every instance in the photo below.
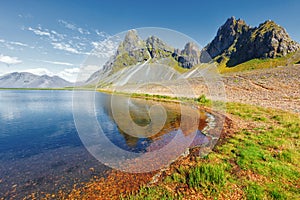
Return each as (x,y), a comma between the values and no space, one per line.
(40,150)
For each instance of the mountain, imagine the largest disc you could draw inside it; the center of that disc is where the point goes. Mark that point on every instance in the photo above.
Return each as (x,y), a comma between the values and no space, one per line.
(134,51)
(236,42)
(28,80)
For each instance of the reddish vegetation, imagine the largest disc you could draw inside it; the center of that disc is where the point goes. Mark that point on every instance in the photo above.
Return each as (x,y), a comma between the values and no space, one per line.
(120,183)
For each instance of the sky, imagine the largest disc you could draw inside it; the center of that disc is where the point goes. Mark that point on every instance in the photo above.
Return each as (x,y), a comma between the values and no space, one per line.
(56,37)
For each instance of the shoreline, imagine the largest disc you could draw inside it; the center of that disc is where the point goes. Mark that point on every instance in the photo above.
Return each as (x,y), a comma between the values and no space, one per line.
(114,184)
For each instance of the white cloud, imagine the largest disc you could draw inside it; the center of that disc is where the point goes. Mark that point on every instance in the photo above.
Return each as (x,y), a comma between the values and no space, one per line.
(101,33)
(25,16)
(68,48)
(51,34)
(39,71)
(12,44)
(73,27)
(105,48)
(73,70)
(67,24)
(78,43)
(69,74)
(19,44)
(39,32)
(86,71)
(8,60)
(57,63)
(83,31)
(60,36)
(65,47)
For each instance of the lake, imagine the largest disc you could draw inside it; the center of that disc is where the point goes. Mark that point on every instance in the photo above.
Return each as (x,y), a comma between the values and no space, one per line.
(41,151)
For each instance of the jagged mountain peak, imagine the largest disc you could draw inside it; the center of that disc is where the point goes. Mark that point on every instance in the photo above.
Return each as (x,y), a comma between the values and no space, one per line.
(233,26)
(191,48)
(131,35)
(226,36)
(158,48)
(131,42)
(156,42)
(237,42)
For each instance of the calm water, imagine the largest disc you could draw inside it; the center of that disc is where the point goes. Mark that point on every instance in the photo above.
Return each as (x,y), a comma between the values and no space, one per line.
(40,150)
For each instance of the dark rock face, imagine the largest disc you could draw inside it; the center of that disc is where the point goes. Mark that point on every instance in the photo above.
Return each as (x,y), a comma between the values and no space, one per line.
(239,42)
(227,36)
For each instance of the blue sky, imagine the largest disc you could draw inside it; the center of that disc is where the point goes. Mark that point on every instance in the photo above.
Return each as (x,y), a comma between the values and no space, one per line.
(55,37)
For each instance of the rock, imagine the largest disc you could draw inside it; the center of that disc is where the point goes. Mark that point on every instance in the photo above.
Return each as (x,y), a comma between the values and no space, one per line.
(239,42)
(131,51)
(226,36)
(157,48)
(189,56)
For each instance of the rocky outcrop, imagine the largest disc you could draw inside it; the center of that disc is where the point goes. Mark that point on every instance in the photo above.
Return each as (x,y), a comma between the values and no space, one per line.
(189,56)
(157,48)
(131,51)
(227,36)
(237,42)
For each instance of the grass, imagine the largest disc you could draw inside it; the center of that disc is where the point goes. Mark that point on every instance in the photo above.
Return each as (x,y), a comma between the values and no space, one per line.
(261,160)
(254,191)
(150,193)
(206,176)
(257,64)
(201,100)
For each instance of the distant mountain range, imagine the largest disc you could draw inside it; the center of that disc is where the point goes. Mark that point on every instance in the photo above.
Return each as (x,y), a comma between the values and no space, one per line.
(28,80)
(235,43)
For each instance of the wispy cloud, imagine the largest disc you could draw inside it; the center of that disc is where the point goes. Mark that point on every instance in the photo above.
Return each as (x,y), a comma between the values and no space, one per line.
(12,45)
(39,71)
(19,44)
(106,48)
(65,47)
(39,32)
(69,74)
(73,27)
(101,33)
(57,62)
(8,60)
(80,41)
(24,16)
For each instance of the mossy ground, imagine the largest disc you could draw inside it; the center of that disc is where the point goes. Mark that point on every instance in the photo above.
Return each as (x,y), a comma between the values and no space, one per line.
(260,160)
(258,64)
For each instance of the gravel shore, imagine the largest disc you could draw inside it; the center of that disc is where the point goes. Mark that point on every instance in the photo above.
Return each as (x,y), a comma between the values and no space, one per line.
(275,88)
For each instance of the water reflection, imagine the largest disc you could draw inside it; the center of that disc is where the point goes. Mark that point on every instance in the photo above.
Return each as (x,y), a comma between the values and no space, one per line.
(139,113)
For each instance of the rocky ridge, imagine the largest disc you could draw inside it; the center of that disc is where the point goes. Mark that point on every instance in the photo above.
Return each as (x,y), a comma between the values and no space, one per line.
(134,51)
(236,42)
